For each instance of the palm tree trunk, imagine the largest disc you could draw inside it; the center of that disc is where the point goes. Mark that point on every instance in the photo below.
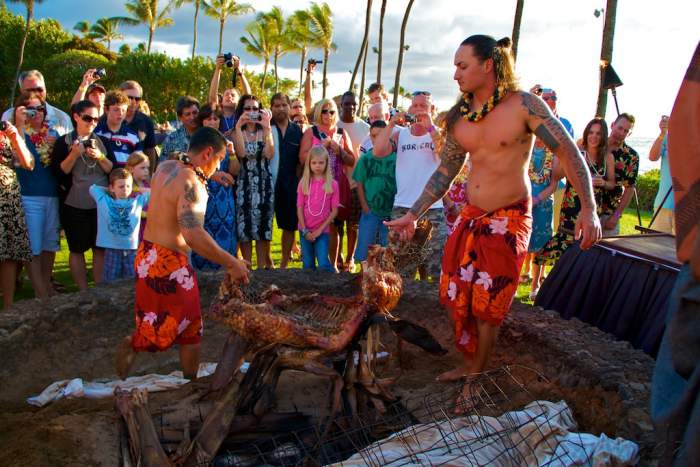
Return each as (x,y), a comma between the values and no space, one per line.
(326,52)
(221,34)
(362,82)
(381,40)
(262,81)
(368,14)
(397,80)
(30,14)
(109,44)
(301,69)
(196,16)
(151,30)
(516,27)
(277,78)
(606,52)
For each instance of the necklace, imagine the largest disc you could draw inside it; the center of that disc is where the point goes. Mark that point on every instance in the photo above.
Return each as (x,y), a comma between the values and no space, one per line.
(308,202)
(593,166)
(197,170)
(470,116)
(543,174)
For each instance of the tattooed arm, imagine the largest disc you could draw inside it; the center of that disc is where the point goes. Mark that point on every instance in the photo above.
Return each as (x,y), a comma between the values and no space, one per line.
(552,133)
(191,206)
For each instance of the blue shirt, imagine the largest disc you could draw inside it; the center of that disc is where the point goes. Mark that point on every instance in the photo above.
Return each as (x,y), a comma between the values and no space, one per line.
(40,181)
(665,184)
(118,220)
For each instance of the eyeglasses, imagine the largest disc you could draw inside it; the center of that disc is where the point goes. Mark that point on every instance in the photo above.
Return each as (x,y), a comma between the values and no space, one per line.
(549,98)
(88,119)
(38,108)
(135,98)
(36,89)
(421,93)
(328,111)
(251,109)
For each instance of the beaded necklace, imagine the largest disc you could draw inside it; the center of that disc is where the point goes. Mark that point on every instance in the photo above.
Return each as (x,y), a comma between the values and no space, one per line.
(543,174)
(308,202)
(470,116)
(197,170)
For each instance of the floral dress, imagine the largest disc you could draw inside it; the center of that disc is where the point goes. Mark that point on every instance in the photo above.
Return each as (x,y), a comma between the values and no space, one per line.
(570,208)
(540,173)
(14,239)
(220,218)
(254,195)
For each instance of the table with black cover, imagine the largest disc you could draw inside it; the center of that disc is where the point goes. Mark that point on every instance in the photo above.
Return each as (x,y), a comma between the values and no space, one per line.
(621,286)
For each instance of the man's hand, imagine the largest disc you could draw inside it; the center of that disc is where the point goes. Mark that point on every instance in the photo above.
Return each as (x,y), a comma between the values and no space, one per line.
(536,90)
(89,78)
(265,118)
(239,270)
(424,120)
(219,63)
(404,225)
(663,124)
(20,117)
(587,229)
(222,178)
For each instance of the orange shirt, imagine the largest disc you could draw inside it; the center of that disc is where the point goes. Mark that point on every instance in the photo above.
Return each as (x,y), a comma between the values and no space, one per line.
(684,158)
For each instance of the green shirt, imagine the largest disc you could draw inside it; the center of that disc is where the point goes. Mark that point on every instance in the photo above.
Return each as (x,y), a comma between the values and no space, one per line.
(378,178)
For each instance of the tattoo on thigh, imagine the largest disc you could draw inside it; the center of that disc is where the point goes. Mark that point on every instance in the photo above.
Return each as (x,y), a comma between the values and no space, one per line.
(189,219)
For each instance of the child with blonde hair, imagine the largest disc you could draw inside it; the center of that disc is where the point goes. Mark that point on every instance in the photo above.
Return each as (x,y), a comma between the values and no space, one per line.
(139,165)
(317,206)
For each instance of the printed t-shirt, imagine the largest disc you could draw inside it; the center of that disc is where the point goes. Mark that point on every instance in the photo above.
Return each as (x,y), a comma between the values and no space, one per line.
(415,163)
(118,219)
(317,205)
(378,178)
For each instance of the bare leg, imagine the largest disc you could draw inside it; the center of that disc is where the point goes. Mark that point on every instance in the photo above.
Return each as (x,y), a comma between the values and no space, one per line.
(98,264)
(36,277)
(287,243)
(189,359)
(76,262)
(8,277)
(262,251)
(47,260)
(352,243)
(333,246)
(487,339)
(525,271)
(536,278)
(125,357)
(247,251)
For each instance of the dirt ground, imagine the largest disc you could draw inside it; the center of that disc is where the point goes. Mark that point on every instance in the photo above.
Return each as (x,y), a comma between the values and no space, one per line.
(605,382)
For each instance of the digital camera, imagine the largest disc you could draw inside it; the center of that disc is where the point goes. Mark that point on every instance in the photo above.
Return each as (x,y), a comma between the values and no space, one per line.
(409,118)
(255,116)
(228,58)
(90,143)
(3,126)
(29,113)
(100,73)
(313,61)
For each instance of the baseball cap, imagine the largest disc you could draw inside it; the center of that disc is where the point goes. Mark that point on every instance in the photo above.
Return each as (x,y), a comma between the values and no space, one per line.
(95,87)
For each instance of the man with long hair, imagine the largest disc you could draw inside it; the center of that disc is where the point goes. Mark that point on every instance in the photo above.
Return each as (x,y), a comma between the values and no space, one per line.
(495,122)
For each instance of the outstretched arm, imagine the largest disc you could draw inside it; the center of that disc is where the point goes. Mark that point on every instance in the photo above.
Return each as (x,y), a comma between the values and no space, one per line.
(213,97)
(552,133)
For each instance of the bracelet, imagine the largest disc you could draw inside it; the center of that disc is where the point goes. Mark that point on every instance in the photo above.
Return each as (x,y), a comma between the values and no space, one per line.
(304,232)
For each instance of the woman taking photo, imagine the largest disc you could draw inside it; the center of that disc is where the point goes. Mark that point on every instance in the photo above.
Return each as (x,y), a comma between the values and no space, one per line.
(80,160)
(39,190)
(254,194)
(220,217)
(14,240)
(326,133)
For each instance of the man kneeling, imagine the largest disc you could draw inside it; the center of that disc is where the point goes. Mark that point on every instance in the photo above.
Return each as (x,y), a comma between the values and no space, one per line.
(167,302)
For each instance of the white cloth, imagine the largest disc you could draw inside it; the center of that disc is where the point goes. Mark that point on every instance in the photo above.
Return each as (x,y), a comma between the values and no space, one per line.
(415,163)
(537,435)
(357,131)
(71,388)
(58,120)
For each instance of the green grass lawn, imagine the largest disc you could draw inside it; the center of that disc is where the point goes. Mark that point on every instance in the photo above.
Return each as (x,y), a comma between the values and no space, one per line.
(62,272)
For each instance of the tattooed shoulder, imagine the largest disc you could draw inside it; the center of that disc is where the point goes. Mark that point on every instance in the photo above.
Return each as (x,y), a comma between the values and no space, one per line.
(452,152)
(534,105)
(191,195)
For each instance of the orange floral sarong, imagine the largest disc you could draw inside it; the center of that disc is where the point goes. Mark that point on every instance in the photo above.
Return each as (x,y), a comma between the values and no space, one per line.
(481,266)
(167,300)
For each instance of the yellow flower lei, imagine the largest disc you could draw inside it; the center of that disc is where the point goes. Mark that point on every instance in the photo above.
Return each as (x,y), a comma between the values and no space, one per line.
(470,116)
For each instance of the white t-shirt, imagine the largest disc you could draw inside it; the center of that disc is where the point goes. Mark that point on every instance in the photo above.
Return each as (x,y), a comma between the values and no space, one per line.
(415,163)
(57,119)
(357,131)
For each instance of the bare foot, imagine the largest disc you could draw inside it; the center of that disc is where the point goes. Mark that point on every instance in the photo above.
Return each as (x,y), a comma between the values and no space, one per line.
(468,398)
(452,375)
(125,357)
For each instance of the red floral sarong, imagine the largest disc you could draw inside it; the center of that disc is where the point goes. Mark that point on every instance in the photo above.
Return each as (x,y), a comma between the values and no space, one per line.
(167,300)
(481,266)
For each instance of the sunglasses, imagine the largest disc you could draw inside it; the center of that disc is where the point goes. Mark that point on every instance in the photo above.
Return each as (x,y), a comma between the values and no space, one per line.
(328,111)
(549,98)
(37,89)
(251,109)
(89,119)
(135,98)
(421,93)
(39,108)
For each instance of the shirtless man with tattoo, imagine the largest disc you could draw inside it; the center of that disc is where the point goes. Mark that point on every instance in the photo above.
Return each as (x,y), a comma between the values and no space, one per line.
(495,123)
(167,304)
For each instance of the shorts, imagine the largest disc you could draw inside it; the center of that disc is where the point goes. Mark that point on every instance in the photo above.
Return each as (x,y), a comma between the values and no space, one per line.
(80,226)
(286,208)
(167,306)
(119,264)
(43,226)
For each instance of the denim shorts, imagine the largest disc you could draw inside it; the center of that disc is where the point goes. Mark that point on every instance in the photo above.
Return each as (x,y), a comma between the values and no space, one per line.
(44,228)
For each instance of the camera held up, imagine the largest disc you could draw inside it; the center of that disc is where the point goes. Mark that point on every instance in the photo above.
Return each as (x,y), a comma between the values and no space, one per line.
(313,61)
(3,126)
(100,73)
(229,59)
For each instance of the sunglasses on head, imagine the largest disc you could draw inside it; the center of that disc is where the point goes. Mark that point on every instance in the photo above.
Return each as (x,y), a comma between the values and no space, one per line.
(135,98)
(421,93)
(88,119)
(37,89)
(328,111)
(549,98)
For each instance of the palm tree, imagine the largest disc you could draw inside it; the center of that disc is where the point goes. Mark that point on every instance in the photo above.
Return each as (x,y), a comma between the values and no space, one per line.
(381,40)
(300,38)
(363,47)
(30,14)
(259,45)
(221,10)
(361,100)
(146,12)
(321,26)
(83,27)
(197,4)
(402,47)
(279,39)
(606,52)
(516,26)
(105,30)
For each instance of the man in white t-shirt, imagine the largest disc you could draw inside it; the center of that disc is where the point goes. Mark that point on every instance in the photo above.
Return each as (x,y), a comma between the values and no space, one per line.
(357,130)
(378,111)
(416,160)
(57,119)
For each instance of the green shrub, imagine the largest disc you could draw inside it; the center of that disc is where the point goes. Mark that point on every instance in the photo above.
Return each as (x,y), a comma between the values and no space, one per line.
(63,73)
(647,186)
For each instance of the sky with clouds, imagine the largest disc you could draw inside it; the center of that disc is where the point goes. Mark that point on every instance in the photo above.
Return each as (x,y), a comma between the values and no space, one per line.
(559,45)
